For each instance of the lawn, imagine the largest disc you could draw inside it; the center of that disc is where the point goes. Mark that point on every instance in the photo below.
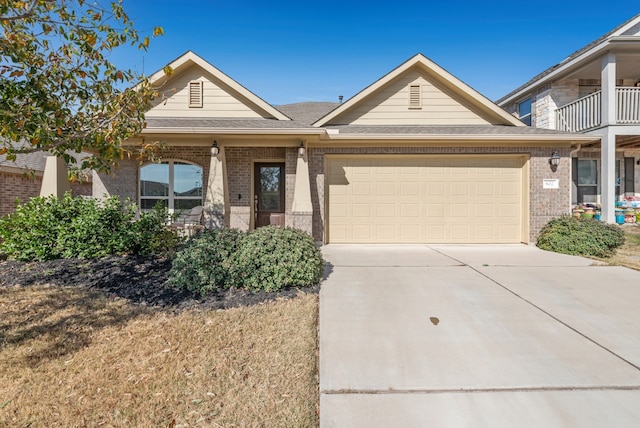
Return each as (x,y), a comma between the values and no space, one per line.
(72,356)
(629,254)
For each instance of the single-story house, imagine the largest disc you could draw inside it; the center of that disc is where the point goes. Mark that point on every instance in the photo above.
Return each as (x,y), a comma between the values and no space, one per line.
(418,156)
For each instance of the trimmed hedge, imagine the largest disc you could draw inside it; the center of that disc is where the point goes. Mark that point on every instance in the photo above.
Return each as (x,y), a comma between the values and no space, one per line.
(205,263)
(578,236)
(269,259)
(52,228)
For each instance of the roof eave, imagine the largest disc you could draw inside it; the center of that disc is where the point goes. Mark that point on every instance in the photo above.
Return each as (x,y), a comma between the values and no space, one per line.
(567,138)
(234,131)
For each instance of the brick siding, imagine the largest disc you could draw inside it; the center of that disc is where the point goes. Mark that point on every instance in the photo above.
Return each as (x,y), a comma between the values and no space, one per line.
(22,186)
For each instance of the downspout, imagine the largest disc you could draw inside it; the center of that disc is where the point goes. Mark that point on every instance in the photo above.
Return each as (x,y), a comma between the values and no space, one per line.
(574,152)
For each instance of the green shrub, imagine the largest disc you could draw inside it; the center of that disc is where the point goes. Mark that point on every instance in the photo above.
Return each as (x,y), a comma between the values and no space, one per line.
(271,258)
(205,262)
(268,258)
(577,236)
(52,228)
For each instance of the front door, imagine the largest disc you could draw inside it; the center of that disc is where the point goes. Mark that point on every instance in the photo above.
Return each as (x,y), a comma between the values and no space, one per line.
(269,194)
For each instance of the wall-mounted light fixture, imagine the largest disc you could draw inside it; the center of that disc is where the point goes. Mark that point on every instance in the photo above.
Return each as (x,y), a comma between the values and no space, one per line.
(214,149)
(301,150)
(554,160)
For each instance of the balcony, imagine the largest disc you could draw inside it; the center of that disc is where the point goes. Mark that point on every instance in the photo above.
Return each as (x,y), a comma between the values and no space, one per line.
(585,113)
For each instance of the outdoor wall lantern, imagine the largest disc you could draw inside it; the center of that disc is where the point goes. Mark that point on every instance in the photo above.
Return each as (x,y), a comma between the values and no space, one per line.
(301,150)
(554,160)
(214,149)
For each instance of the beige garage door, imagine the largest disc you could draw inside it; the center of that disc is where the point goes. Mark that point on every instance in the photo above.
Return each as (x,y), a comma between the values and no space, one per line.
(425,199)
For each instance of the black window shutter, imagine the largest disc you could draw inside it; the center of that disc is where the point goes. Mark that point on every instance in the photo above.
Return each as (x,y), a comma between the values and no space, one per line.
(629,175)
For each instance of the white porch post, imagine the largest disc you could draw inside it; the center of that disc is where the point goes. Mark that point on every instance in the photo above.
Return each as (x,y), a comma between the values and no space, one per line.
(216,202)
(608,176)
(302,209)
(608,150)
(55,180)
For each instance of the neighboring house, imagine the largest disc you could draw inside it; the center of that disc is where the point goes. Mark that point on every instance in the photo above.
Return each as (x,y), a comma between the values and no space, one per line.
(22,179)
(595,91)
(416,157)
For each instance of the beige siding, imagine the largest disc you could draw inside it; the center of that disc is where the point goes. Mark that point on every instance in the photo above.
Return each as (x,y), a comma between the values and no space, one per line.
(426,199)
(390,106)
(219,100)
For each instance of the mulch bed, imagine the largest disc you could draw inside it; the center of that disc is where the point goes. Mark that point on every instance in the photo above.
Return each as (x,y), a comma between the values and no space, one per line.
(141,280)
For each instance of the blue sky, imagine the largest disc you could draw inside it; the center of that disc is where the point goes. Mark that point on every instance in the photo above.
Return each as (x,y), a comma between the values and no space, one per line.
(294,51)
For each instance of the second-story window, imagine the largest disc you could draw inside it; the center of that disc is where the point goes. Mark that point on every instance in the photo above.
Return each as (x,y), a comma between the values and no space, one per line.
(524,111)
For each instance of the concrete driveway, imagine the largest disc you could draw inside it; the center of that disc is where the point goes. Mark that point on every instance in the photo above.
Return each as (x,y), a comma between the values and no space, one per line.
(477,336)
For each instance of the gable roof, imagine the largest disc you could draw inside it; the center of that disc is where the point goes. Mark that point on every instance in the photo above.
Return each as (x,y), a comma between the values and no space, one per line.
(189,58)
(601,43)
(450,82)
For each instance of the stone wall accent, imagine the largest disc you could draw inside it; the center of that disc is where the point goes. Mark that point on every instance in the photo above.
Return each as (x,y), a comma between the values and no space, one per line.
(546,100)
(544,204)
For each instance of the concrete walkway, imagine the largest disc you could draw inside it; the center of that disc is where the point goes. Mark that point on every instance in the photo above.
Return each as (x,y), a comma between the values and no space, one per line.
(477,336)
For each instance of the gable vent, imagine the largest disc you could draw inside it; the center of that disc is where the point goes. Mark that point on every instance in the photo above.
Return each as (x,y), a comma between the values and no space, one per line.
(195,94)
(415,96)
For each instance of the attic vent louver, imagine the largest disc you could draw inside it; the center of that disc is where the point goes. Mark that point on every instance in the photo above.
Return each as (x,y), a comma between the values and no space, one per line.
(415,97)
(195,94)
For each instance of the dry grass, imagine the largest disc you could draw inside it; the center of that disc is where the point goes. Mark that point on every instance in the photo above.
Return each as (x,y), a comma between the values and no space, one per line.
(73,357)
(629,254)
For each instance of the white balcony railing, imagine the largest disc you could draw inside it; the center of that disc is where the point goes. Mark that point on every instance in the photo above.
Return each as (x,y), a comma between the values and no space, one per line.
(585,113)
(628,108)
(579,115)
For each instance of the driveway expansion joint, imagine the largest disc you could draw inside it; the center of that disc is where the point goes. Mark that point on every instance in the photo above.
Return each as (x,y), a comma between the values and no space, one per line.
(480,390)
(547,313)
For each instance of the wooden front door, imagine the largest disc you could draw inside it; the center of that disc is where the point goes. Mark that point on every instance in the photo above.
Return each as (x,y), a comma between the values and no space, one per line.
(269,194)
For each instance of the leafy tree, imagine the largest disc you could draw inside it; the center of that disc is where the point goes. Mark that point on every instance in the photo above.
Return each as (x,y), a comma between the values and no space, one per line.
(59,91)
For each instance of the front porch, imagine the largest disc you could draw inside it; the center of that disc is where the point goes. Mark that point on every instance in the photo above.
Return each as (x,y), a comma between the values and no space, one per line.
(252,186)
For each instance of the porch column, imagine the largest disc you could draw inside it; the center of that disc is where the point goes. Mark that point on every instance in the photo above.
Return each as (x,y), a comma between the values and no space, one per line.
(608,175)
(608,150)
(55,180)
(608,101)
(216,202)
(302,209)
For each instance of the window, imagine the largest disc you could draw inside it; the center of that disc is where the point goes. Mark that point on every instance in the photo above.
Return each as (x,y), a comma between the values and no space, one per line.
(177,185)
(195,94)
(524,111)
(415,97)
(587,180)
(586,187)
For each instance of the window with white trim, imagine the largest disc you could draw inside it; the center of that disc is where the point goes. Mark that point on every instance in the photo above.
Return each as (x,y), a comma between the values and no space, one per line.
(174,184)
(524,111)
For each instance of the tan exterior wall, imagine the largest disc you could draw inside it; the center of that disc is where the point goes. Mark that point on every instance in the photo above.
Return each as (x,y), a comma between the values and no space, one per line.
(391,106)
(544,204)
(14,186)
(218,99)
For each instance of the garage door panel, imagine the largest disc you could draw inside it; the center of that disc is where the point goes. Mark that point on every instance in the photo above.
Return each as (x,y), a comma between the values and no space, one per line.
(425,199)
